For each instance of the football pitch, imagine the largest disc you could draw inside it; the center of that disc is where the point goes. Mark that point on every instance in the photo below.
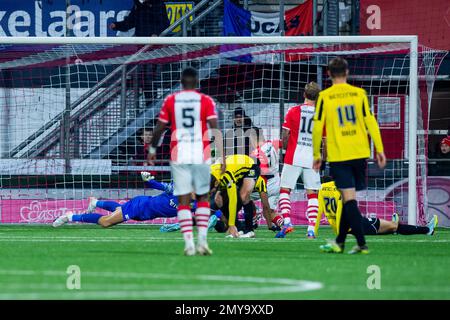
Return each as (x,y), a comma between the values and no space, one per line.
(139,262)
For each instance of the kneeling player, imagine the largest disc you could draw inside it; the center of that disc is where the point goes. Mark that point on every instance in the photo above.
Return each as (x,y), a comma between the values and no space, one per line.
(330,203)
(246,229)
(241,172)
(140,208)
(220,202)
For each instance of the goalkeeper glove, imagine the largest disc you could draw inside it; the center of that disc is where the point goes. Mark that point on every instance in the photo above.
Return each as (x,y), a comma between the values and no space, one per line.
(146,176)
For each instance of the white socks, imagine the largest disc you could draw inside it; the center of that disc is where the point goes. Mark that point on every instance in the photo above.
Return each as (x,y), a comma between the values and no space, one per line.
(185,220)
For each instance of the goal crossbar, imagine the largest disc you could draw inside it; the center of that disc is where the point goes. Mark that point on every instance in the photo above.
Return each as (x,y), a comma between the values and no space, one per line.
(208,40)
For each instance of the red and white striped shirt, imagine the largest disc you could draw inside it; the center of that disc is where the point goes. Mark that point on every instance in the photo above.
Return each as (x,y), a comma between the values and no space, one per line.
(299,122)
(188,112)
(267,154)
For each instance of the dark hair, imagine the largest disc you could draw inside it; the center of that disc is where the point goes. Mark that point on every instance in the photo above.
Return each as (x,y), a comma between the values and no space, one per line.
(247,120)
(140,132)
(239,111)
(338,67)
(189,78)
(189,72)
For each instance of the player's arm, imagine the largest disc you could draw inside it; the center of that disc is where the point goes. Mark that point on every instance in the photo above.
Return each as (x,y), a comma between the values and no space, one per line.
(218,140)
(212,119)
(161,124)
(227,181)
(151,183)
(285,138)
(232,204)
(286,130)
(324,149)
(266,208)
(157,133)
(128,22)
(374,131)
(319,214)
(319,122)
(261,188)
(214,130)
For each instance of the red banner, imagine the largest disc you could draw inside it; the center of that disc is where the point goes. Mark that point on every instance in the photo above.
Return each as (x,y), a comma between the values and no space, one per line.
(390,111)
(430,20)
(299,20)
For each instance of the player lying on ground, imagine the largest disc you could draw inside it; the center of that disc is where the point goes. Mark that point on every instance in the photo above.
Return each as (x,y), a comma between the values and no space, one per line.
(330,203)
(140,208)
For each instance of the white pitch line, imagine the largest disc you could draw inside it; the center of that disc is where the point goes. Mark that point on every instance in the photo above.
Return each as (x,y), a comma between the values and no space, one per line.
(427,289)
(104,286)
(156,294)
(12,238)
(137,275)
(176,290)
(142,291)
(287,286)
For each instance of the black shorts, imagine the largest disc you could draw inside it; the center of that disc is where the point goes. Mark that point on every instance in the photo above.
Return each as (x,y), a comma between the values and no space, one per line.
(220,226)
(349,174)
(370,226)
(240,225)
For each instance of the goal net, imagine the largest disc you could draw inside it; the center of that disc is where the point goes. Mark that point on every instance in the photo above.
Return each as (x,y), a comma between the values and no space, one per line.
(76,117)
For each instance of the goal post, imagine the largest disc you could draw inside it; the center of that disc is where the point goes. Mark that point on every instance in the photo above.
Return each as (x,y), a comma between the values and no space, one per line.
(412,137)
(237,71)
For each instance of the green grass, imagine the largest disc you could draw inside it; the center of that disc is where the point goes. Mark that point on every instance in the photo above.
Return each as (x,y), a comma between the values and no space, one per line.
(139,262)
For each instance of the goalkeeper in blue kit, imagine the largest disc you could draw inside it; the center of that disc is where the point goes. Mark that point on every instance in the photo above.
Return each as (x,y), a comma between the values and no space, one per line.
(140,208)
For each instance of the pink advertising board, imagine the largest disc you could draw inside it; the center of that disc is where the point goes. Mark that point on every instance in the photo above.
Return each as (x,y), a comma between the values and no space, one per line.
(45,211)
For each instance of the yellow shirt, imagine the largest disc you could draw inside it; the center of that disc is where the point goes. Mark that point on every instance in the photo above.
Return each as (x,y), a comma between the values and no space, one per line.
(330,203)
(237,167)
(344,110)
(260,185)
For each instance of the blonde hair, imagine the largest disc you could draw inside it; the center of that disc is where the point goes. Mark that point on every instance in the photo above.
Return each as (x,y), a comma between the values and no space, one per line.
(312,91)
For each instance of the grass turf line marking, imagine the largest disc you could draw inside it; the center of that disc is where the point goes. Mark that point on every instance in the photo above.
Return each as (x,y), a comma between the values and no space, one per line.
(287,285)
(93,292)
(24,238)
(443,289)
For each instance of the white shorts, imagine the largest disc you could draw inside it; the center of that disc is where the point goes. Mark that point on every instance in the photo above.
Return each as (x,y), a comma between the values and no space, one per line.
(290,174)
(189,178)
(273,192)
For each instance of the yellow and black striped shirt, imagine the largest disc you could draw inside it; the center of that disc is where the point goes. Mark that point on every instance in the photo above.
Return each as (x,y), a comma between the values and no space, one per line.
(330,204)
(345,112)
(260,185)
(238,167)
